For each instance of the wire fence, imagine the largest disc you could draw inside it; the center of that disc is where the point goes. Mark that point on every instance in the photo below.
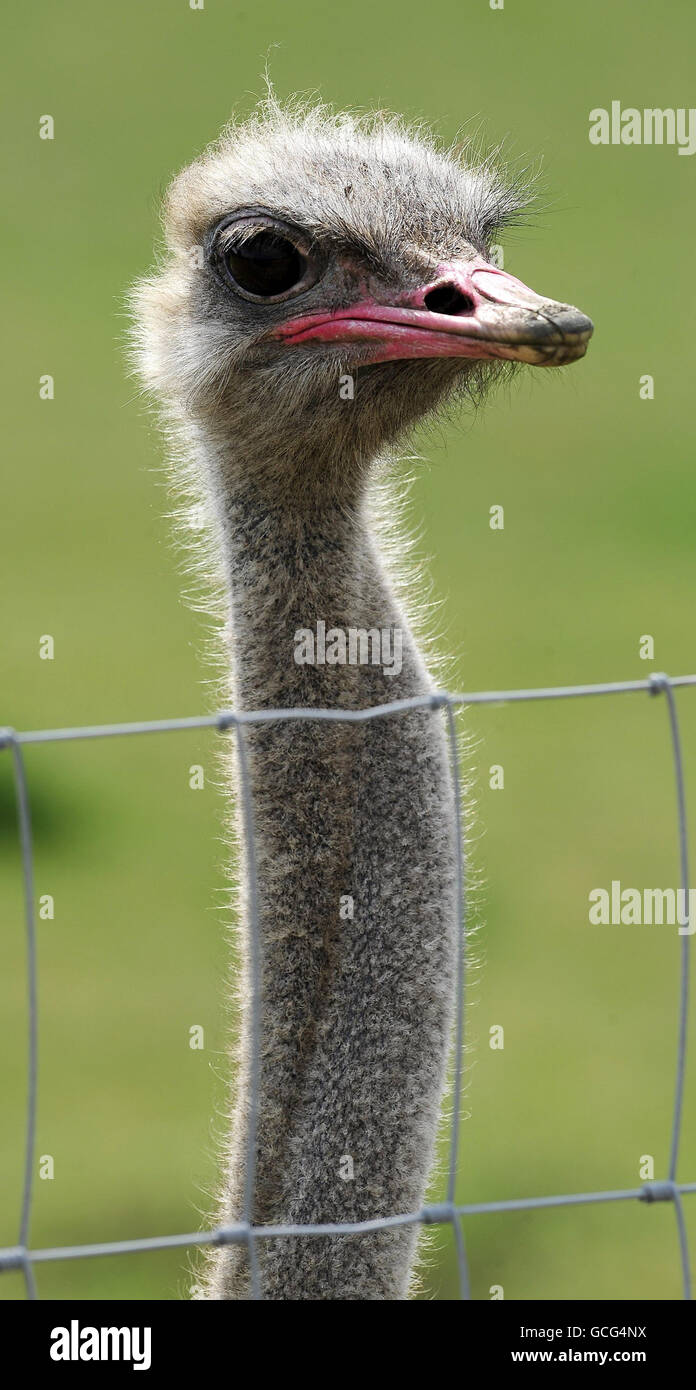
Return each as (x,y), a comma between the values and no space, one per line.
(449,1212)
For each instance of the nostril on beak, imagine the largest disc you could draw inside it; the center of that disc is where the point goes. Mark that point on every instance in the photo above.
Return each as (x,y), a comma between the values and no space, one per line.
(448,299)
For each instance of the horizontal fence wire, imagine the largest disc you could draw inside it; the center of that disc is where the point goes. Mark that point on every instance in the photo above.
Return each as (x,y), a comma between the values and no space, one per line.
(23,1257)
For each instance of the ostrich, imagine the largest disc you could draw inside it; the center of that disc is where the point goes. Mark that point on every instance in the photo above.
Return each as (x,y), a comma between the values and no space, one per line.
(326,284)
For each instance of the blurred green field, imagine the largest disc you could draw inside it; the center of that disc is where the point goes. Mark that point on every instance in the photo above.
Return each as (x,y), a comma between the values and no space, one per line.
(600,499)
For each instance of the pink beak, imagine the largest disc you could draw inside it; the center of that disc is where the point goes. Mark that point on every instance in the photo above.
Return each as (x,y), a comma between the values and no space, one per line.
(470,310)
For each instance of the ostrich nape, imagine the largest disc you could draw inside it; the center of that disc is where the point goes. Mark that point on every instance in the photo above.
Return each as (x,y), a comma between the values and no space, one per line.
(327,284)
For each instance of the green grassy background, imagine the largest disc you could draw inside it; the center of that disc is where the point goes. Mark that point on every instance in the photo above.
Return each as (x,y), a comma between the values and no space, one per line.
(599,500)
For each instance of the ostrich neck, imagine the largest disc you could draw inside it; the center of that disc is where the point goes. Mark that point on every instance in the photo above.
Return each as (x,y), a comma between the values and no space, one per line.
(354,845)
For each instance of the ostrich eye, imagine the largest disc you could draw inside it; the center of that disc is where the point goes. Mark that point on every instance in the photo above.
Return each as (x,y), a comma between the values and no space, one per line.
(266,265)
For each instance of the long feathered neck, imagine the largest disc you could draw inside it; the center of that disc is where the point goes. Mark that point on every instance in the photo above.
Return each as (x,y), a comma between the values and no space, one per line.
(354,845)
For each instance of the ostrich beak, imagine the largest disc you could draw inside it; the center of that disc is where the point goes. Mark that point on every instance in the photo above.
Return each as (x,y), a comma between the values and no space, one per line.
(470,310)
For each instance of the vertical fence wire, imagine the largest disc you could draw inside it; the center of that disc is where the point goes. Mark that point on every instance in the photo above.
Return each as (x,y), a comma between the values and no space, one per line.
(448,1212)
(683,1244)
(685,960)
(27,854)
(662,682)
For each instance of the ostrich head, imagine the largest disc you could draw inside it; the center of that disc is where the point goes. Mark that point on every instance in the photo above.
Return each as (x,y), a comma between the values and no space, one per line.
(328,281)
